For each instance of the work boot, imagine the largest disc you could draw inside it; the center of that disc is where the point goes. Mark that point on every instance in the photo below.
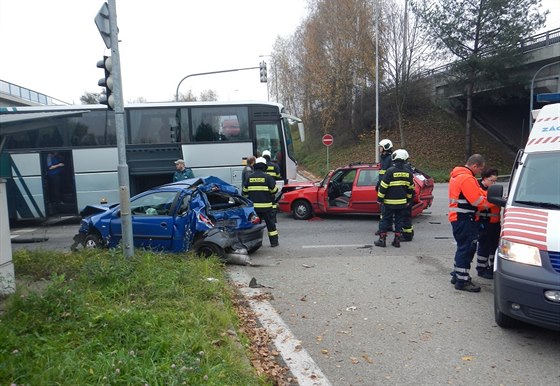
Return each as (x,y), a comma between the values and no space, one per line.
(397,241)
(486,273)
(468,286)
(382,242)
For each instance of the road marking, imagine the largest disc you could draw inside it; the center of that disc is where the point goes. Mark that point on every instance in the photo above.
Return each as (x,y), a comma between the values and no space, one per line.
(294,355)
(337,246)
(19,232)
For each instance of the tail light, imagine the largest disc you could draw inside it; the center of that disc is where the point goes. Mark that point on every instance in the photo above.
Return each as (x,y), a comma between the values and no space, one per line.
(254,219)
(205,220)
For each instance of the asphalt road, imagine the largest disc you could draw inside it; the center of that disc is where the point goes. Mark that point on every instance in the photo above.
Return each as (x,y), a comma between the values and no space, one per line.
(377,316)
(388,316)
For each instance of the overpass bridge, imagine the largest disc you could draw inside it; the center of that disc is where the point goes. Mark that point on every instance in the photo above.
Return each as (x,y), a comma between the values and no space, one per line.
(504,111)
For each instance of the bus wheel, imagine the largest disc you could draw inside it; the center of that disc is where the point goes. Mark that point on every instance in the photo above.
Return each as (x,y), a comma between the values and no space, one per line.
(301,210)
(502,319)
(93,241)
(205,249)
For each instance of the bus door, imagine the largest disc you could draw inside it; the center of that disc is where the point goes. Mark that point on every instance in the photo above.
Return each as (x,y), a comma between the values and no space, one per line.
(268,138)
(59,186)
(25,187)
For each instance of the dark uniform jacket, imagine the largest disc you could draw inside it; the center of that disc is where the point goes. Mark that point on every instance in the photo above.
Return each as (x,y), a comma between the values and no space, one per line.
(260,187)
(385,162)
(273,169)
(397,187)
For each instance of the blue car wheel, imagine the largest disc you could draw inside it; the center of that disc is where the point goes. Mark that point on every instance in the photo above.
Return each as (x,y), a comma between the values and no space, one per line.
(206,249)
(93,241)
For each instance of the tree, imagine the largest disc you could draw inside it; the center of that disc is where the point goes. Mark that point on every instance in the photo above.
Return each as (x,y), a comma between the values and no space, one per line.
(484,36)
(337,64)
(208,95)
(408,51)
(90,98)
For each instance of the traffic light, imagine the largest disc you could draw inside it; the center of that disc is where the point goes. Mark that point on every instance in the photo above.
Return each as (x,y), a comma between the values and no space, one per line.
(107,82)
(262,69)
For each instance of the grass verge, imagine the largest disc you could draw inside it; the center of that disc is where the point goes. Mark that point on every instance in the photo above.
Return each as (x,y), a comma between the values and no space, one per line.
(103,319)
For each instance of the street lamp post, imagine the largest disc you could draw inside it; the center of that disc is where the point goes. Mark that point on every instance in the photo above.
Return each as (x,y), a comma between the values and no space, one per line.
(208,73)
(532,87)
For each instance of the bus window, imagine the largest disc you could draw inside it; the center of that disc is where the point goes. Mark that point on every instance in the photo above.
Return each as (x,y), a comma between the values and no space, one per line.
(220,124)
(268,138)
(153,125)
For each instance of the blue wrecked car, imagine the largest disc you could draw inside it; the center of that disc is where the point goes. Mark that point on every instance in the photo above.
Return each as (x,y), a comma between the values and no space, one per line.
(204,214)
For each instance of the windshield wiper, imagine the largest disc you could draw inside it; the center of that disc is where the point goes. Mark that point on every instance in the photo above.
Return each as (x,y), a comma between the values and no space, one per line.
(548,205)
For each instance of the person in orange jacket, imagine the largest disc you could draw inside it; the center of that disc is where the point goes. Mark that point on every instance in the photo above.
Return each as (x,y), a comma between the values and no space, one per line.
(465,198)
(489,228)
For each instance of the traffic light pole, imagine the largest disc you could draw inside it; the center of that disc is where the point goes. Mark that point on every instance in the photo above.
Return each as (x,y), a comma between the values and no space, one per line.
(208,73)
(124,184)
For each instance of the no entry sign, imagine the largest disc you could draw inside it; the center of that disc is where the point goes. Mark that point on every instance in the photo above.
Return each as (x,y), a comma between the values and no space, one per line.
(328,139)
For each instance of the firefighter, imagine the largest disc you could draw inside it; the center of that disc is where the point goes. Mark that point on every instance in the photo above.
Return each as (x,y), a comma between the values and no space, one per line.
(489,229)
(465,197)
(274,170)
(408,229)
(260,188)
(385,162)
(395,193)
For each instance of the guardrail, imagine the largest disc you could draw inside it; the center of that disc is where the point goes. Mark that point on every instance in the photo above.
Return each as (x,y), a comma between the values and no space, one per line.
(24,93)
(529,44)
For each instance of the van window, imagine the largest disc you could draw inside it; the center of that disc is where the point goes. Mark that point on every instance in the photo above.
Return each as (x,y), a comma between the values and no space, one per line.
(539,181)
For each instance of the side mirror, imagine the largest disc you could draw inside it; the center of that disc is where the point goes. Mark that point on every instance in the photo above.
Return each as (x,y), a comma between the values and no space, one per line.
(496,195)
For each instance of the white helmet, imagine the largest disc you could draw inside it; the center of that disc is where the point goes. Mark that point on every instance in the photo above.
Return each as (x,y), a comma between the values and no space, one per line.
(266,153)
(260,160)
(386,144)
(399,154)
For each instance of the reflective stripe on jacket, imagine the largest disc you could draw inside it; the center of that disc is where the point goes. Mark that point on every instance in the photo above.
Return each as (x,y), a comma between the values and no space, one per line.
(491,215)
(397,187)
(465,195)
(273,170)
(260,187)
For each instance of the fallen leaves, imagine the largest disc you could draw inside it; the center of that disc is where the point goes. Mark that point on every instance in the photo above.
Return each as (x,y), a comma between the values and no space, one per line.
(263,356)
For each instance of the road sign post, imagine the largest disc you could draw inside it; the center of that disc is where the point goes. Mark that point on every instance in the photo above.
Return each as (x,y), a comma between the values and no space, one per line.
(328,140)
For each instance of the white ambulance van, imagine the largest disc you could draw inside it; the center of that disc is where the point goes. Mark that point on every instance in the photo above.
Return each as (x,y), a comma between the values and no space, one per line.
(527,261)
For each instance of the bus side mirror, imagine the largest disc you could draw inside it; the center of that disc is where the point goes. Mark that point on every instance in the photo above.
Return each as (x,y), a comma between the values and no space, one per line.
(496,195)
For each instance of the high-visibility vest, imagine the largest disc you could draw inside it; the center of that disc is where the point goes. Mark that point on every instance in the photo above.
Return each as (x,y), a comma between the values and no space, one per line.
(465,195)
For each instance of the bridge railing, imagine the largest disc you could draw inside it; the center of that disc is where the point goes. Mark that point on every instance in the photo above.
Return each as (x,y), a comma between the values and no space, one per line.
(529,44)
(24,93)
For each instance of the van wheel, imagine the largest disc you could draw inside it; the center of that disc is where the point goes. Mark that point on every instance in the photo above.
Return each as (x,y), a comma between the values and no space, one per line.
(301,210)
(93,241)
(205,249)
(502,319)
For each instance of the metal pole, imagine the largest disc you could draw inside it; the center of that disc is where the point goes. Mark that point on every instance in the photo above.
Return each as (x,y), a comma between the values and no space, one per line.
(532,86)
(124,185)
(7,274)
(377,82)
(208,73)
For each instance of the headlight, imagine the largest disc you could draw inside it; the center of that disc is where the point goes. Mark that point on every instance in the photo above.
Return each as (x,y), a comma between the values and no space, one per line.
(520,253)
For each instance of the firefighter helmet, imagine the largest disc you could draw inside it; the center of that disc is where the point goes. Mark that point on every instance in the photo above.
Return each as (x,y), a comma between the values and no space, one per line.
(399,154)
(260,163)
(266,153)
(386,144)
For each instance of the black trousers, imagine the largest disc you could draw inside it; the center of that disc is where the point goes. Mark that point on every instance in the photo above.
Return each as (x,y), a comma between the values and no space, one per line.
(268,217)
(389,215)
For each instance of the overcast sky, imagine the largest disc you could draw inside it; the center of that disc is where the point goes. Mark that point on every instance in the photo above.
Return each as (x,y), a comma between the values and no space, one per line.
(52,47)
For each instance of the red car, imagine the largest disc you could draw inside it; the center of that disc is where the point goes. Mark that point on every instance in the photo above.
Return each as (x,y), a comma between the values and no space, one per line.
(348,189)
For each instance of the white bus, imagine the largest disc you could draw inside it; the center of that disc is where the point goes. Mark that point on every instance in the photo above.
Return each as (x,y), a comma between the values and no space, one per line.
(214,138)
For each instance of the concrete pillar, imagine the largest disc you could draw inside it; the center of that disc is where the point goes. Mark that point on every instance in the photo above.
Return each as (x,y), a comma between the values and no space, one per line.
(7,275)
